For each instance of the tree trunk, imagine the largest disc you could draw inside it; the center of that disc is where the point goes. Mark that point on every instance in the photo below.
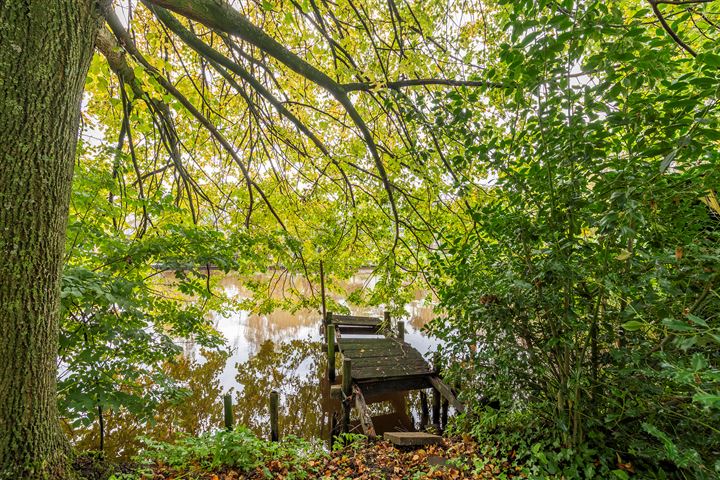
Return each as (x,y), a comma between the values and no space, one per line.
(45,50)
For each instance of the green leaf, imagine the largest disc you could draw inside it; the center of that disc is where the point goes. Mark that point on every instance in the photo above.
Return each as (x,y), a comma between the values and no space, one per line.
(667,160)
(677,325)
(621,474)
(709,400)
(697,320)
(623,255)
(709,59)
(633,325)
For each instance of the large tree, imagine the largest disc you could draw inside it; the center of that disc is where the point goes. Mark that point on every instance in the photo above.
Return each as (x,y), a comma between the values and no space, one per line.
(45,51)
(46,47)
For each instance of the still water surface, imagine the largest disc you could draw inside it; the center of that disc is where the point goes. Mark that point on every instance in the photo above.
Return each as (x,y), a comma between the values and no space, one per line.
(280,351)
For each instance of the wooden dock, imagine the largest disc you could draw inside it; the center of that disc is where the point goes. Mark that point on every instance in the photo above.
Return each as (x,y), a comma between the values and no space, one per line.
(377,364)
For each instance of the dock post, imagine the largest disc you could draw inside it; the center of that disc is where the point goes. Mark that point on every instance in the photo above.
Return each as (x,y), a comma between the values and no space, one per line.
(274,403)
(401,331)
(387,320)
(424,410)
(444,413)
(347,393)
(436,408)
(322,290)
(436,400)
(330,335)
(228,412)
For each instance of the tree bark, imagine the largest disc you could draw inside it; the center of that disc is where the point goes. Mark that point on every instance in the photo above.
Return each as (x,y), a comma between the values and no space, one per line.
(45,51)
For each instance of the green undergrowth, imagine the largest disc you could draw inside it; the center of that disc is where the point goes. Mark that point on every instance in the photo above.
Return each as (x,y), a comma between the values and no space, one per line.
(525,440)
(238,450)
(239,454)
(491,446)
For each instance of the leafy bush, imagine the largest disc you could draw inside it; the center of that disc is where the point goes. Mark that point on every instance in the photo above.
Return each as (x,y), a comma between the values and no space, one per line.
(584,299)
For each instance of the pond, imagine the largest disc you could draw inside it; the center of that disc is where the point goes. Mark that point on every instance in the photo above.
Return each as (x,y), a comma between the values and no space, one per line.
(279,351)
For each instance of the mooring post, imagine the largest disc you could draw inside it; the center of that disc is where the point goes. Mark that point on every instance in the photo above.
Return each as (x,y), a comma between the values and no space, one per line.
(436,394)
(330,335)
(401,331)
(387,320)
(347,393)
(228,412)
(444,413)
(274,403)
(333,429)
(322,289)
(424,410)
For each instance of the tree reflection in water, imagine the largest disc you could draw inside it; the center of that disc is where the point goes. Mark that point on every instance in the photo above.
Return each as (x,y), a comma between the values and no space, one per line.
(195,411)
(295,369)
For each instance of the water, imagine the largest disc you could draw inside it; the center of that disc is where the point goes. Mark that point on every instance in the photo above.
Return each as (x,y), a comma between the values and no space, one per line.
(280,351)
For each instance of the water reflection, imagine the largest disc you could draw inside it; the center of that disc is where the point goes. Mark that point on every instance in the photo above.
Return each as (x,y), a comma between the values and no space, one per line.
(280,351)
(198,410)
(292,368)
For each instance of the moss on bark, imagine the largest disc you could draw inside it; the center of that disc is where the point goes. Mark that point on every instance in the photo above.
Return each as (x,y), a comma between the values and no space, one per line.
(45,51)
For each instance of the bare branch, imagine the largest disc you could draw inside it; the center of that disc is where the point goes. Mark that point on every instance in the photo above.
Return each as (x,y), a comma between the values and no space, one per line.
(419,82)
(669,30)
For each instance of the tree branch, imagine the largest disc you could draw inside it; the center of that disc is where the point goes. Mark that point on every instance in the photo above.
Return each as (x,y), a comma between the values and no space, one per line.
(420,82)
(668,29)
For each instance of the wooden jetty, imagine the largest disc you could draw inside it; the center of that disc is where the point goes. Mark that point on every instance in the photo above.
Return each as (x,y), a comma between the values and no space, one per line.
(377,364)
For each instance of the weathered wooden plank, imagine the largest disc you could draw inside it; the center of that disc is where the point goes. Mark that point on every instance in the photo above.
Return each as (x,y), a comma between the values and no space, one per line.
(364,343)
(377,352)
(383,352)
(363,412)
(355,320)
(411,367)
(359,343)
(447,393)
(358,329)
(389,362)
(412,439)
(387,372)
(376,388)
(375,345)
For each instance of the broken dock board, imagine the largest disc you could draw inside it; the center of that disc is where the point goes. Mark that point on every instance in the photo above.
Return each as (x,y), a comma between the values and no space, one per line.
(366,421)
(412,439)
(447,393)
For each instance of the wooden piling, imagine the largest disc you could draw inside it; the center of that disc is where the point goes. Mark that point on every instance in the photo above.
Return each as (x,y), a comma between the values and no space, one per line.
(387,321)
(347,393)
(228,412)
(401,331)
(274,404)
(424,409)
(436,408)
(322,290)
(444,413)
(330,335)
